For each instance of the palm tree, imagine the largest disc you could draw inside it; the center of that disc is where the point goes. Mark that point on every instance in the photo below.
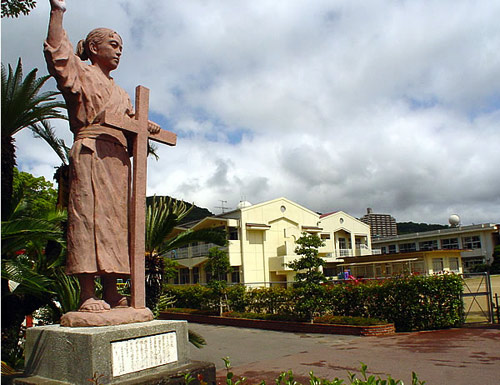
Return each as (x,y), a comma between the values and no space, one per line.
(23,105)
(162,216)
(32,271)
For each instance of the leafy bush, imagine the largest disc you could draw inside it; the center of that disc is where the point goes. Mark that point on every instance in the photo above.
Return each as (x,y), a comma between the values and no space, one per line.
(237,298)
(265,316)
(271,300)
(192,297)
(411,303)
(190,311)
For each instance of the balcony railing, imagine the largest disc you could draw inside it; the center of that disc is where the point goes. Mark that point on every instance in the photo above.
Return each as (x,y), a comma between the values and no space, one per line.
(340,253)
(193,251)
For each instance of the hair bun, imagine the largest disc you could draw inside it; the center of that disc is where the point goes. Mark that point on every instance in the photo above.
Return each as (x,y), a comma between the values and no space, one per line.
(81,52)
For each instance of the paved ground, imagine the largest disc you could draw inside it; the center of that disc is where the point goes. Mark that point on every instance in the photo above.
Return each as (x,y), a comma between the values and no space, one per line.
(456,356)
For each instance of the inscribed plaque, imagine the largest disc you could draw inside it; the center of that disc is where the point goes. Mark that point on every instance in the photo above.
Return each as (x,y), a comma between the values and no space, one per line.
(136,354)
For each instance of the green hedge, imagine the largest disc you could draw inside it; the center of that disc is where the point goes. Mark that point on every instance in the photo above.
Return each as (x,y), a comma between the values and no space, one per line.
(411,303)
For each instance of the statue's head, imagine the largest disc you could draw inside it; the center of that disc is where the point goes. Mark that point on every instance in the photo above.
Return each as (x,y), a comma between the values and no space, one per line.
(102,46)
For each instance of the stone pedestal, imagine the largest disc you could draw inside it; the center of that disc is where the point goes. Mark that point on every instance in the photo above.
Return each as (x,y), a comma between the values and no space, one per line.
(154,352)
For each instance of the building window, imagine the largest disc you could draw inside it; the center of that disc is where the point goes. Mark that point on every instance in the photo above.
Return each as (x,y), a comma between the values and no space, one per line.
(428,245)
(208,276)
(418,267)
(325,236)
(392,249)
(471,242)
(449,244)
(196,275)
(437,265)
(383,250)
(407,247)
(235,274)
(184,276)
(454,264)
(233,233)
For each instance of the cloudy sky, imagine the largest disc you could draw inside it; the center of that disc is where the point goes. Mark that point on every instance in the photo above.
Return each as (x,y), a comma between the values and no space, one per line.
(337,105)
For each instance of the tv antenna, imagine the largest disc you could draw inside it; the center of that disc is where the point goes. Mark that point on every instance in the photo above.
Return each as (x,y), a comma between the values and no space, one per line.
(222,207)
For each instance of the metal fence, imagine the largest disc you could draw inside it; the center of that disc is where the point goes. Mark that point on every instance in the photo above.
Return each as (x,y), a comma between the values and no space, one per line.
(478,299)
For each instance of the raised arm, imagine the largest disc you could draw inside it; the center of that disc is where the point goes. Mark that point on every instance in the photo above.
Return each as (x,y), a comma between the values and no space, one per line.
(55,33)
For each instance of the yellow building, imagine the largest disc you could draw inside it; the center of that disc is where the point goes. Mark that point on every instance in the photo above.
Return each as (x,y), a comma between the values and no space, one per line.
(262,241)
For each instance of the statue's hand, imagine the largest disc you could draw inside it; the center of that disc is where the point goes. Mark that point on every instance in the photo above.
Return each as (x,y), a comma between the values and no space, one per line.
(58,4)
(153,128)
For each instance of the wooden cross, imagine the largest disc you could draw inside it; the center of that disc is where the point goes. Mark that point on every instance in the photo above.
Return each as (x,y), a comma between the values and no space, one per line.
(138,126)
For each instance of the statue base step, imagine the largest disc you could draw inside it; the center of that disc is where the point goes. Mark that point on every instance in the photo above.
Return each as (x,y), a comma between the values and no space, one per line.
(115,316)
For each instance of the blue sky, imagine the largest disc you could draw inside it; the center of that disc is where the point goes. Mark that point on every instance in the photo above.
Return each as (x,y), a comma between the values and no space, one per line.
(337,105)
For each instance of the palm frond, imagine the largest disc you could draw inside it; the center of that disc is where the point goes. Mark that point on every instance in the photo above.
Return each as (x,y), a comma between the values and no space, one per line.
(164,301)
(22,103)
(67,289)
(196,339)
(162,215)
(20,271)
(46,132)
(216,236)
(152,150)
(18,233)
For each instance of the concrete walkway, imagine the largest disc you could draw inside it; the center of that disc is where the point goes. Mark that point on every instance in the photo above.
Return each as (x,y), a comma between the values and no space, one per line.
(465,356)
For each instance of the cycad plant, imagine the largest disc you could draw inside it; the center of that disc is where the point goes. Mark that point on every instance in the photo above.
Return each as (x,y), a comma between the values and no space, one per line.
(162,216)
(23,105)
(32,272)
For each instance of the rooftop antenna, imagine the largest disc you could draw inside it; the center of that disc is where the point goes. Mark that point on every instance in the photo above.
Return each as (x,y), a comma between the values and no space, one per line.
(222,207)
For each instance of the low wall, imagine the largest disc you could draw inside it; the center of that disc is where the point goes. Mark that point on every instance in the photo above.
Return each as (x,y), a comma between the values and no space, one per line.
(284,326)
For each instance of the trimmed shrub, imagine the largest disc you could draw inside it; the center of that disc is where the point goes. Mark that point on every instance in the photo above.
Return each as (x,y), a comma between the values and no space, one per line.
(271,300)
(411,302)
(193,296)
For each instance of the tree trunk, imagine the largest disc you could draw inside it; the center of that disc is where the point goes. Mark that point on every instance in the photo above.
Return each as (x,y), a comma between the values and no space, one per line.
(62,179)
(8,163)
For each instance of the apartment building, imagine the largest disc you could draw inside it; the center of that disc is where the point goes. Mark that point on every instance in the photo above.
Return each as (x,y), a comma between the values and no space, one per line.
(262,242)
(381,225)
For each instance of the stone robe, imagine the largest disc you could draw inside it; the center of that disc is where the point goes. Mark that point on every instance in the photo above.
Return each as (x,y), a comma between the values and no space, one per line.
(98,235)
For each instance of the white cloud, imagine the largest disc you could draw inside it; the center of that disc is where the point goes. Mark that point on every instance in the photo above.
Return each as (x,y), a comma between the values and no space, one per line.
(336,105)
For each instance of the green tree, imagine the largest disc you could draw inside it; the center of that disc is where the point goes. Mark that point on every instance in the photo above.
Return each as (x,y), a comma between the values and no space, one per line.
(13,8)
(307,267)
(495,266)
(37,193)
(23,105)
(218,265)
(308,277)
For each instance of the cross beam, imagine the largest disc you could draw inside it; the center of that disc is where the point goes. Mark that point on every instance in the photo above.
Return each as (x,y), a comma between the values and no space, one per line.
(138,126)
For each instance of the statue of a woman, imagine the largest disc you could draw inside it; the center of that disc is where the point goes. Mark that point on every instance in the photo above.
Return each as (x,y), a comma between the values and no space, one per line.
(98,233)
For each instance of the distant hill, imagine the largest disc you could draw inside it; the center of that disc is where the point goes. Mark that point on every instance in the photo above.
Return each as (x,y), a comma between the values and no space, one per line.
(412,227)
(196,213)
